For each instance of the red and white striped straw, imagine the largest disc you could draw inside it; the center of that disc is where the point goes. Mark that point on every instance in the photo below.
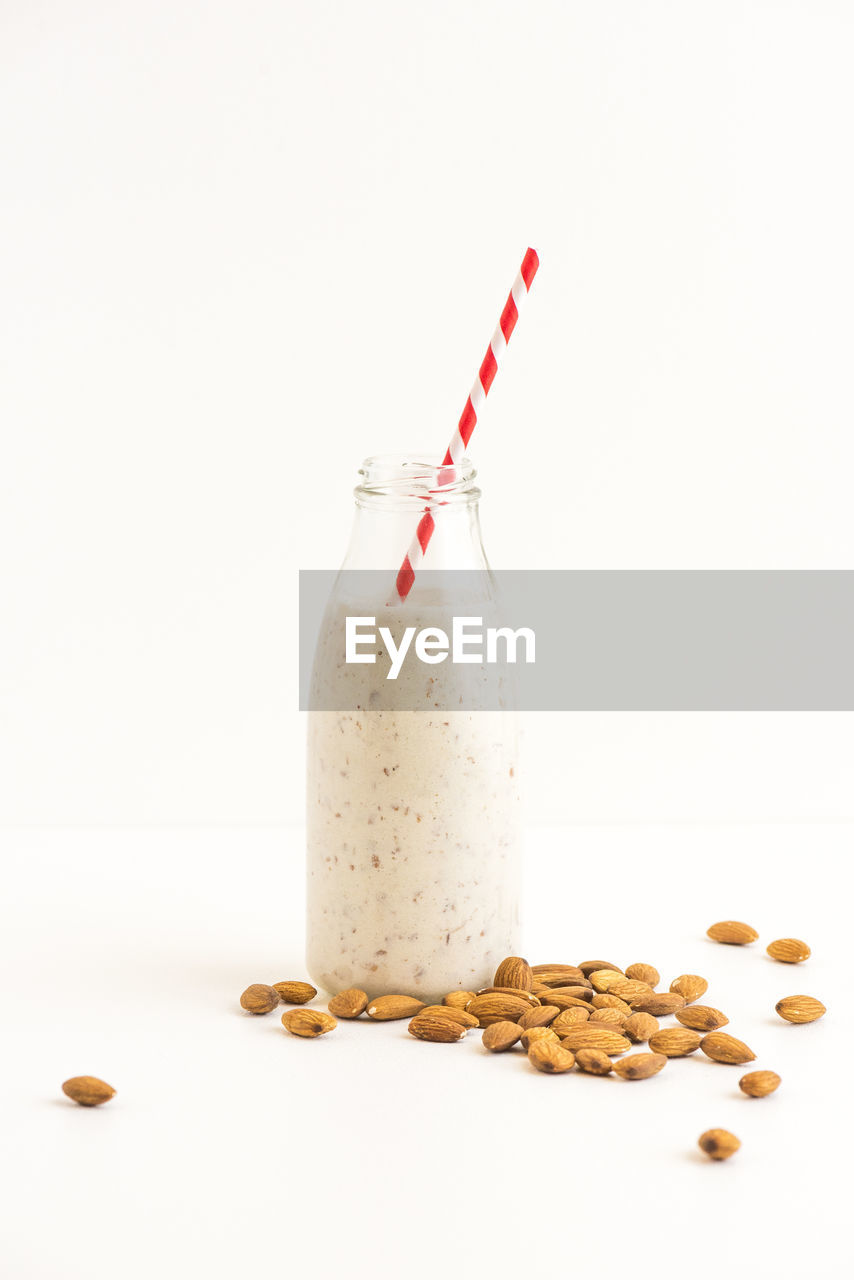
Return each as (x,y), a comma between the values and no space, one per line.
(472,411)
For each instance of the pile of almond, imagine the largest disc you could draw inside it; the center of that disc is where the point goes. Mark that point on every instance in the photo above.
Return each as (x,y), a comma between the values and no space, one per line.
(585,1016)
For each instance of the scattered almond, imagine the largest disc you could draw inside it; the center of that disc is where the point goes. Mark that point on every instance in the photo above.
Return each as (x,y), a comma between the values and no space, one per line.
(571,993)
(689,985)
(658,1003)
(701,1017)
(459,999)
(514,972)
(675,1042)
(720,1144)
(550,1057)
(629,990)
(557,975)
(788,950)
(732,932)
(295,992)
(800,1008)
(608,1017)
(586,1036)
(594,1062)
(538,1033)
(721,1047)
(349,1003)
(461,1016)
(569,1018)
(640,1026)
(644,973)
(495,1007)
(259,998)
(88,1091)
(438,1027)
(605,1000)
(308,1023)
(499,1036)
(389,1008)
(604,979)
(592,966)
(758,1084)
(564,1001)
(519,992)
(640,1066)
(539,1017)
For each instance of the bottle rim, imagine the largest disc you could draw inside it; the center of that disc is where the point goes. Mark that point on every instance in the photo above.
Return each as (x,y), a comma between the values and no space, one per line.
(407,479)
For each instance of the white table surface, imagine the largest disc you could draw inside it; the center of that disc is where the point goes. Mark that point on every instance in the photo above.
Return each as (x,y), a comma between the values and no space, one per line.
(233,1149)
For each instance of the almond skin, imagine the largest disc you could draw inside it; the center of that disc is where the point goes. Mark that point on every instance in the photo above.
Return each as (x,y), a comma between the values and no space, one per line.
(348,1004)
(629,989)
(539,1017)
(701,1017)
(640,1066)
(459,999)
(586,1036)
(639,1027)
(460,1016)
(608,1017)
(721,1047)
(732,932)
(88,1091)
(557,975)
(259,998)
(514,972)
(594,1062)
(658,1003)
(758,1084)
(675,1042)
(533,1034)
(308,1023)
(438,1027)
(800,1008)
(528,996)
(295,992)
(550,1057)
(788,950)
(720,1144)
(390,1008)
(569,1018)
(644,973)
(689,985)
(493,1007)
(573,993)
(604,979)
(500,1036)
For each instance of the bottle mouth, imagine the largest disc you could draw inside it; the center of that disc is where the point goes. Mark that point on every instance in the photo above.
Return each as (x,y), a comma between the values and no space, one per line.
(407,480)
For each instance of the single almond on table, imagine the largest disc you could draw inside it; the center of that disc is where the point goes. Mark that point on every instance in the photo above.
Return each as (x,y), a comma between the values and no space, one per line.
(550,1057)
(295,992)
(438,1027)
(758,1084)
(499,1036)
(538,1033)
(348,1004)
(701,1017)
(259,998)
(721,1047)
(592,966)
(308,1023)
(639,1027)
(605,1000)
(495,1007)
(586,1036)
(733,932)
(788,950)
(720,1144)
(594,1062)
(539,1017)
(514,972)
(460,1016)
(459,999)
(390,1008)
(519,992)
(689,985)
(604,979)
(800,1008)
(675,1042)
(644,973)
(88,1091)
(569,1018)
(640,1066)
(658,1003)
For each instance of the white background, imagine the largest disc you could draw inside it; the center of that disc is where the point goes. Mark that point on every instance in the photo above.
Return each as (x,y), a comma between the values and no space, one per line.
(241,247)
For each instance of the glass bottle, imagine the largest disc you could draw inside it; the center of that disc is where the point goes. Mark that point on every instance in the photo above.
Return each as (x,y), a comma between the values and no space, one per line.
(413,826)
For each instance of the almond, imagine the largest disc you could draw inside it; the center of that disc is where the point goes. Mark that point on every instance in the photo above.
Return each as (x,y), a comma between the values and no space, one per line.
(800,1008)
(557,975)
(308,1023)
(720,1144)
(295,992)
(438,1027)
(499,1036)
(628,989)
(259,998)
(549,1057)
(608,1017)
(644,973)
(514,972)
(604,979)
(539,1017)
(494,1007)
(639,1027)
(721,1047)
(788,950)
(519,992)
(592,966)
(586,1036)
(533,1034)
(349,1003)
(461,1016)
(640,1066)
(88,1091)
(593,1061)
(689,985)
(605,1000)
(675,1042)
(758,1084)
(732,932)
(389,1008)
(569,1018)
(701,1017)
(658,1003)
(573,993)
(566,1002)
(459,999)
